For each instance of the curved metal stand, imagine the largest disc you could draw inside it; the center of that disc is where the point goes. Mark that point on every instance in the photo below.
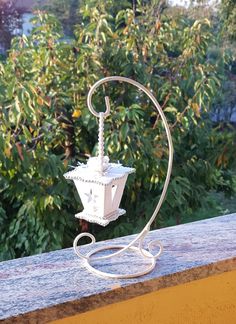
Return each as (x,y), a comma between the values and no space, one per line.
(147,254)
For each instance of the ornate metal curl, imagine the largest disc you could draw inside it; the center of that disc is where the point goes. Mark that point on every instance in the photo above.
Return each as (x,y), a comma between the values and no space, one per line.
(147,254)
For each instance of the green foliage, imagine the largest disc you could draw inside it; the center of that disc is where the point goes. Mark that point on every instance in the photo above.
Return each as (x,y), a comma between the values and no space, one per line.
(228,17)
(45,124)
(64,10)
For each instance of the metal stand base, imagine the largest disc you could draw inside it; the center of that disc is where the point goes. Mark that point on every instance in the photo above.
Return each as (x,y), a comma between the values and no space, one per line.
(145,254)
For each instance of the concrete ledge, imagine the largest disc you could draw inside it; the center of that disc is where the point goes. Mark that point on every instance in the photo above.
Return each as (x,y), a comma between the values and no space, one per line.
(55,285)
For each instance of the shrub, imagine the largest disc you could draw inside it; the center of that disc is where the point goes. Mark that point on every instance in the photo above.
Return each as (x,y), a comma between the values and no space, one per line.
(45,124)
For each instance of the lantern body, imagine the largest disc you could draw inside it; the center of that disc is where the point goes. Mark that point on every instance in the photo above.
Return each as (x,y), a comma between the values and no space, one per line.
(100,193)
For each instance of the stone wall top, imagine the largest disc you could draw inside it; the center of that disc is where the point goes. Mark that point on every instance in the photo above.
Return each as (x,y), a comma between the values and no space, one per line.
(55,285)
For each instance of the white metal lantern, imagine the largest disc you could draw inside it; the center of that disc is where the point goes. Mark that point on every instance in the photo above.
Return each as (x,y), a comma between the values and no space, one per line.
(100,192)
(100,185)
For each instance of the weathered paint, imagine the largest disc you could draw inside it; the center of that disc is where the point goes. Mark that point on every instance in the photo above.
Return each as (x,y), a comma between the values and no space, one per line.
(205,301)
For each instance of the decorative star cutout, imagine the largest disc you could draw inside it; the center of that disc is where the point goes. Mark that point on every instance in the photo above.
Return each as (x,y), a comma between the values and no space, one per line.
(91,198)
(89,195)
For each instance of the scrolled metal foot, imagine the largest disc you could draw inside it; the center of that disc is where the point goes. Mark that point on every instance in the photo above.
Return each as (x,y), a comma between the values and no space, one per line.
(145,254)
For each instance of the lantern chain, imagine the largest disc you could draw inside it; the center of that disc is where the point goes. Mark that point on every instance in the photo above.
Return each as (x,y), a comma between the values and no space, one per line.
(101,140)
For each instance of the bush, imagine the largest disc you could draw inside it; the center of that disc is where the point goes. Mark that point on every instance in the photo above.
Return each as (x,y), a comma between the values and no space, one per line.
(45,124)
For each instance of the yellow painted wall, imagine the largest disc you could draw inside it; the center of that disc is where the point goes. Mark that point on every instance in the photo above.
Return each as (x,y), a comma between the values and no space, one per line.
(207,301)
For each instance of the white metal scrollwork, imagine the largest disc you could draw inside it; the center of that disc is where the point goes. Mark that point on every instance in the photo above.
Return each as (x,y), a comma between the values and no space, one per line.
(145,253)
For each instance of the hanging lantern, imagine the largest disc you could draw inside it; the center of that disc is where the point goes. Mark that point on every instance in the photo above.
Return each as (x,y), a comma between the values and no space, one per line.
(100,185)
(100,191)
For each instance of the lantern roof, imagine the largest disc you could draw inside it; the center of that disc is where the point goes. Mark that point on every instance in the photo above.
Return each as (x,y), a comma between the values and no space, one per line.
(90,172)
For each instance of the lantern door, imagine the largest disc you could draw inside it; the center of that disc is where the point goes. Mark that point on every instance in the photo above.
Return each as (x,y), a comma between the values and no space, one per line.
(92,197)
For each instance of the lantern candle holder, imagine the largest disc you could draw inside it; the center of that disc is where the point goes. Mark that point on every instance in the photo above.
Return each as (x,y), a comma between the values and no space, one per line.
(100,185)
